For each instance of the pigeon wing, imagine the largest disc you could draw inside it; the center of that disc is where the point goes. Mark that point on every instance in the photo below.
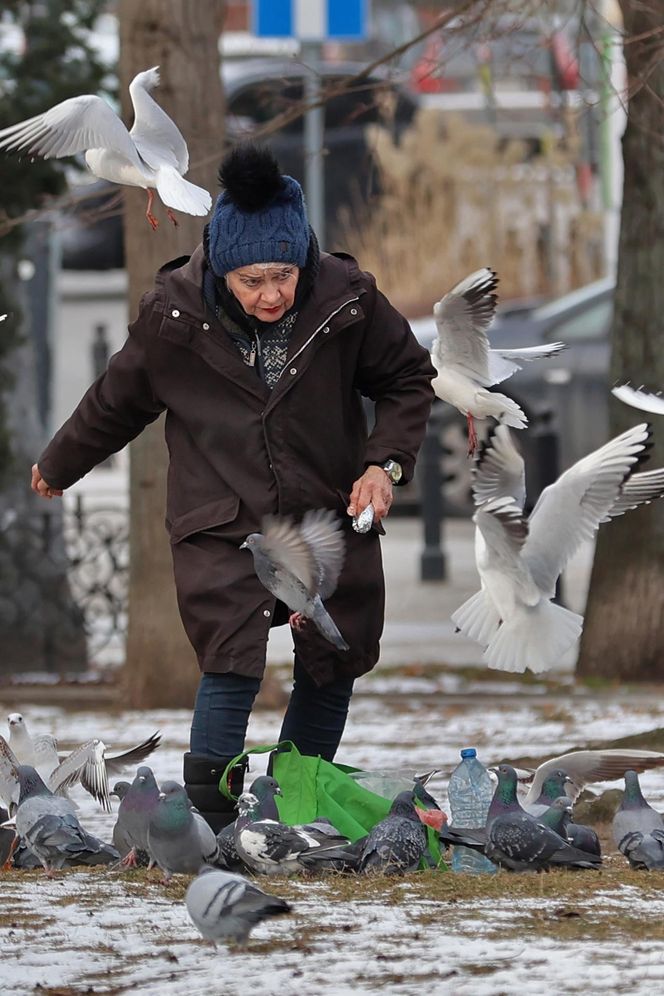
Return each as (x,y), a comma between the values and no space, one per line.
(74,125)
(505,362)
(155,135)
(117,763)
(499,471)
(570,510)
(285,546)
(462,318)
(85,765)
(9,782)
(638,398)
(586,766)
(320,530)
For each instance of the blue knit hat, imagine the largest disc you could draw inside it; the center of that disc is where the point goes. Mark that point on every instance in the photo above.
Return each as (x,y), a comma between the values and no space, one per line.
(260,217)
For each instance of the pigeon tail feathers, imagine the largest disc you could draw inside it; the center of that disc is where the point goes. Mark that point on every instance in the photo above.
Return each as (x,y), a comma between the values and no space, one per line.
(324,622)
(535,637)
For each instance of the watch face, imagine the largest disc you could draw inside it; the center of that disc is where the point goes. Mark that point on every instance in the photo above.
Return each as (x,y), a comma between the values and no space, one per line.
(393,471)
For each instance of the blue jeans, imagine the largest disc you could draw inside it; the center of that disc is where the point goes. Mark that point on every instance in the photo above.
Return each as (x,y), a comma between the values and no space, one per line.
(315,717)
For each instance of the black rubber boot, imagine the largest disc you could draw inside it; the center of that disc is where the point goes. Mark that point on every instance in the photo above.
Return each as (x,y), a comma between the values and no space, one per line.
(201,779)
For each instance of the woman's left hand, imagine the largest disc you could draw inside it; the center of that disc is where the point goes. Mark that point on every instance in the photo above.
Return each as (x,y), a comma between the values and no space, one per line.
(374,486)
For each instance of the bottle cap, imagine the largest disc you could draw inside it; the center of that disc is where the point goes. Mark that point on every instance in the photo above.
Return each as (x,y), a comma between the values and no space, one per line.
(469,752)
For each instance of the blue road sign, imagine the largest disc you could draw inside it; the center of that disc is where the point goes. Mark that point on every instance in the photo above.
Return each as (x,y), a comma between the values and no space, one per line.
(311,20)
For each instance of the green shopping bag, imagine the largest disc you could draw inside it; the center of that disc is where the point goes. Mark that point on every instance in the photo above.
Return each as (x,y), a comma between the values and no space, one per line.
(313,788)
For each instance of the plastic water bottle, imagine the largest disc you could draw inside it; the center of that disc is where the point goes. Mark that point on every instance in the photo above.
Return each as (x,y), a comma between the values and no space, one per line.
(470,792)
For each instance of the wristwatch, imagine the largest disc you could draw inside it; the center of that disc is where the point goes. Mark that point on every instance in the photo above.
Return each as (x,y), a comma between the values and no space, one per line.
(393,470)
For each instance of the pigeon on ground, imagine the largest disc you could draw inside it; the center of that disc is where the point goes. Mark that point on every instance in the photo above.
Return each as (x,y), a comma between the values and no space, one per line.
(553,787)
(466,366)
(300,565)
(49,827)
(120,790)
(520,842)
(398,842)
(226,907)
(514,839)
(559,818)
(177,841)
(153,155)
(519,559)
(90,764)
(645,401)
(270,847)
(130,833)
(638,829)
(584,767)
(266,789)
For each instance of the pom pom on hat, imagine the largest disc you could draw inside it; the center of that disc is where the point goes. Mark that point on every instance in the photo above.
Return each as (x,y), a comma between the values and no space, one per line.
(260,217)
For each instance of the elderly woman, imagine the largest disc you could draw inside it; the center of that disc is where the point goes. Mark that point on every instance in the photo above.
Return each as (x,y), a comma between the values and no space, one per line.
(260,348)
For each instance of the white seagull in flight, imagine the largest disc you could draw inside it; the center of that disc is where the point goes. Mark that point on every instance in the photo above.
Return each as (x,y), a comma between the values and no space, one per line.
(466,365)
(153,155)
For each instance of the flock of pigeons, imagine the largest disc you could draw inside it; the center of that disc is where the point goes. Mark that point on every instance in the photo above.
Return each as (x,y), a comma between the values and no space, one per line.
(157,825)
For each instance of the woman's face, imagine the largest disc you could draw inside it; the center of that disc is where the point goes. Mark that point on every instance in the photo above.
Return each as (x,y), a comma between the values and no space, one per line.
(265,290)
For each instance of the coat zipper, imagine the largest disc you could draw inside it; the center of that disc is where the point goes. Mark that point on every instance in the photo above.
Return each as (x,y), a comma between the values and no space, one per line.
(322,324)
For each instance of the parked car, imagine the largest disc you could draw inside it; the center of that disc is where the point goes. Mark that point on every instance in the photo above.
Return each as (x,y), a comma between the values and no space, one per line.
(257,90)
(565,398)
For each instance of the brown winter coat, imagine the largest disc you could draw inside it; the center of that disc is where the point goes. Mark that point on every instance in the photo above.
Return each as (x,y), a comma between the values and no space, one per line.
(239,450)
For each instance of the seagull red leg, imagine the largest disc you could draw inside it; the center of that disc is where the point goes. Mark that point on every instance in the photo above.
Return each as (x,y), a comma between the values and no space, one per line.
(472,434)
(171,217)
(148,211)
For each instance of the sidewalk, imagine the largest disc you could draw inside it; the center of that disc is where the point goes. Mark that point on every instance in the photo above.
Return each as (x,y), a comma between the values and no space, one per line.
(418,629)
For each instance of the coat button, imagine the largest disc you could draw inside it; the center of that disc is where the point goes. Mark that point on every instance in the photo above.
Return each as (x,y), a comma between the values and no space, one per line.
(266,613)
(206,327)
(175,313)
(293,371)
(326,330)
(353,311)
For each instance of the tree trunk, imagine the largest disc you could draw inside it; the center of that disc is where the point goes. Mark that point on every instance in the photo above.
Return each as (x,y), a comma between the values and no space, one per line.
(181,37)
(624,628)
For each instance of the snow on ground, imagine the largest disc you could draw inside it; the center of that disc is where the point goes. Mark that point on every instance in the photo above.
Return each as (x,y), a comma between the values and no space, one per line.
(104,932)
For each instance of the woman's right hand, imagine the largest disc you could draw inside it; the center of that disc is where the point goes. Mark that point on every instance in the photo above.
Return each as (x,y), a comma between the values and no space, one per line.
(39,485)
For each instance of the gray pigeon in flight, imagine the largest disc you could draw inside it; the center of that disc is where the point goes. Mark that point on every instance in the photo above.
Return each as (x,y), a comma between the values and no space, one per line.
(398,842)
(177,841)
(638,829)
(300,565)
(48,826)
(226,907)
(130,834)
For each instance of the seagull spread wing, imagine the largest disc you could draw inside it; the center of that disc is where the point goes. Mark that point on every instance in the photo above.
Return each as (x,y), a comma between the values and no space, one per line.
(638,398)
(320,530)
(284,545)
(86,765)
(9,783)
(157,138)
(505,362)
(117,763)
(586,766)
(570,510)
(639,489)
(499,471)
(74,125)
(462,318)
(505,532)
